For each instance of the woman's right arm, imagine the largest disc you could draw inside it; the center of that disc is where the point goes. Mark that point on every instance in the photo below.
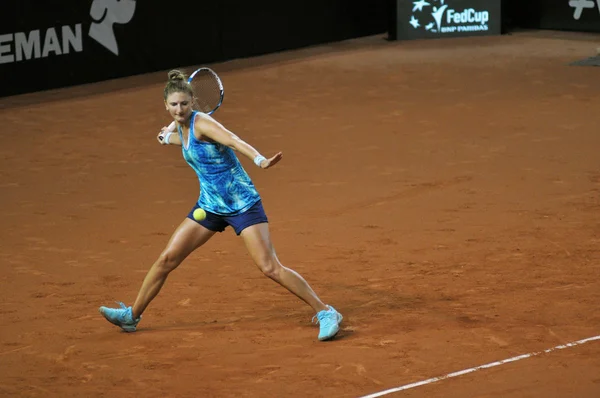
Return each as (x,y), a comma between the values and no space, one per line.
(169,136)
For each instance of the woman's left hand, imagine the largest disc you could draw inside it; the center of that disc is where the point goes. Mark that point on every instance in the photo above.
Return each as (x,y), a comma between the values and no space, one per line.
(265,164)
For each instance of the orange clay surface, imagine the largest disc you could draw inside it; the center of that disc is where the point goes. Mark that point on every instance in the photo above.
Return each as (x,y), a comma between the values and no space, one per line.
(444,195)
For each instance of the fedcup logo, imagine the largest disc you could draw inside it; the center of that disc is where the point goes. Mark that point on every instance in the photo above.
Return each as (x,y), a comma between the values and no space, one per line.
(438,16)
(106,13)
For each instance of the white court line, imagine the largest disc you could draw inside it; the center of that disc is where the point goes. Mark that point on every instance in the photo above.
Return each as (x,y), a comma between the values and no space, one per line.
(476,368)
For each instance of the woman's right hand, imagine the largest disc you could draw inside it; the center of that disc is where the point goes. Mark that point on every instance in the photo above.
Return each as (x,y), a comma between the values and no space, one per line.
(162,135)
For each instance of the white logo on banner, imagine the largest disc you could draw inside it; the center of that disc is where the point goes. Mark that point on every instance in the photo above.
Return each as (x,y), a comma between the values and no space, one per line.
(580,5)
(23,46)
(437,17)
(105,14)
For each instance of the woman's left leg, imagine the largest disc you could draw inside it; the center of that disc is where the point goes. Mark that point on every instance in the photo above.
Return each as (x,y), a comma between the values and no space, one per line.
(258,243)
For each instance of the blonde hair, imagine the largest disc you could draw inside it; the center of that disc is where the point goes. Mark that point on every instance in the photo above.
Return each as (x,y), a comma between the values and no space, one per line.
(177,83)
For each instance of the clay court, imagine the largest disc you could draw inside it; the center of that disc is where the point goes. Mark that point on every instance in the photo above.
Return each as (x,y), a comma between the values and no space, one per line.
(444,195)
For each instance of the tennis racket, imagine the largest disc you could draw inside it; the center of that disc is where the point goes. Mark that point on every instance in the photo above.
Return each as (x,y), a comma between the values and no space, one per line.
(208,93)
(208,90)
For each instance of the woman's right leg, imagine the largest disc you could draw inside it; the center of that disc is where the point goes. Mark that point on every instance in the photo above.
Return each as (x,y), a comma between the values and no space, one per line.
(187,237)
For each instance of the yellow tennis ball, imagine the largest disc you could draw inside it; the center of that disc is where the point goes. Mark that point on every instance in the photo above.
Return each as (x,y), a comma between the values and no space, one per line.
(199,214)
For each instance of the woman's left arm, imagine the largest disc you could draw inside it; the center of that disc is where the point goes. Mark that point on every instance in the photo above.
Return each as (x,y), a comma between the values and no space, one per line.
(206,126)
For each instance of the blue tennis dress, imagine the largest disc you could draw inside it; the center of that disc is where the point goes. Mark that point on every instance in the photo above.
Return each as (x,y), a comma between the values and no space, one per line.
(225,187)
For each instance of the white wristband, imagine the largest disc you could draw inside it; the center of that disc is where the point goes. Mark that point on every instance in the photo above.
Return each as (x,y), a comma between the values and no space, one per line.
(258,159)
(166,139)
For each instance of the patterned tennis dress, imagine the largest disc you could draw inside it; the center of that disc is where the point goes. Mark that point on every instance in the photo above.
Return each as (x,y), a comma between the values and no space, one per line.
(225,187)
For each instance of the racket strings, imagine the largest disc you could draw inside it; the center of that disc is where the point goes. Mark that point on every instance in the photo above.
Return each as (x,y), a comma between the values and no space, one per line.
(207,92)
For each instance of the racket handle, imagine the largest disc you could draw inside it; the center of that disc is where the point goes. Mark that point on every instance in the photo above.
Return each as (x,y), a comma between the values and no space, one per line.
(170,129)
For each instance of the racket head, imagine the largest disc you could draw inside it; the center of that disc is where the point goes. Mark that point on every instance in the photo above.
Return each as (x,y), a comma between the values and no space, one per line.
(208,90)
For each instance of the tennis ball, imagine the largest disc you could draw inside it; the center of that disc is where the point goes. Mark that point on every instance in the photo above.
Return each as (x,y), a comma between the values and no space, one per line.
(199,214)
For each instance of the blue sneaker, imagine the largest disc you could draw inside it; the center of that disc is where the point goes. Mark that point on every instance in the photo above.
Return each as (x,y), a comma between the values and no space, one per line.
(329,323)
(121,317)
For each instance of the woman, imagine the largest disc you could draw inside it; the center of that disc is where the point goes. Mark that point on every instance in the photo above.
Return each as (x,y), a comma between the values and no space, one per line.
(228,197)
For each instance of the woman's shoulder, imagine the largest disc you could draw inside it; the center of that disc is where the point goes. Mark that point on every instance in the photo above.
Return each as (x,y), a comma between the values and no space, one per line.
(201,121)
(204,121)
(201,116)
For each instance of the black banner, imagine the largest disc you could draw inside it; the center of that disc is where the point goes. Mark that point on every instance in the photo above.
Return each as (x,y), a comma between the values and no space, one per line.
(47,44)
(575,15)
(51,44)
(434,19)
(570,15)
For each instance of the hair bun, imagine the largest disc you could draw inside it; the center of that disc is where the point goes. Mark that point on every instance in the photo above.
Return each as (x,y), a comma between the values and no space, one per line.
(176,75)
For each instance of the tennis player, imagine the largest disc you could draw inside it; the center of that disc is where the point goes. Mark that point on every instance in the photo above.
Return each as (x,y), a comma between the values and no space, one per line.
(228,197)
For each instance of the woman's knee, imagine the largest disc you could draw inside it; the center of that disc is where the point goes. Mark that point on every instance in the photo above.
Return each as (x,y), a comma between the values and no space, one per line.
(167,261)
(270,266)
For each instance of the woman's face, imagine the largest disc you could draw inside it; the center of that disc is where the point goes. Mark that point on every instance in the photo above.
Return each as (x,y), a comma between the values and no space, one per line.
(179,106)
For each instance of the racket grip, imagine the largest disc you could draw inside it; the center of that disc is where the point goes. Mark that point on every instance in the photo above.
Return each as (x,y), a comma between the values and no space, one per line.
(170,130)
